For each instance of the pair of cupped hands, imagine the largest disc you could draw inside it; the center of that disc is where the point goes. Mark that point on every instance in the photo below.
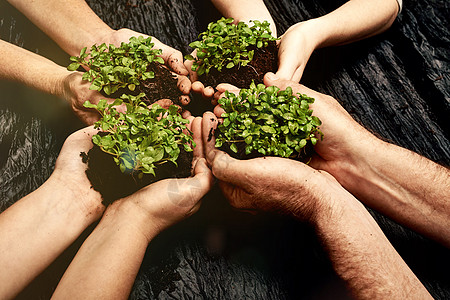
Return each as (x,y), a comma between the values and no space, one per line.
(258,184)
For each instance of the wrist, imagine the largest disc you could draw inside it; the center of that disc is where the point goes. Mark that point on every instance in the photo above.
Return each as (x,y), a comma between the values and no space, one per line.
(136,217)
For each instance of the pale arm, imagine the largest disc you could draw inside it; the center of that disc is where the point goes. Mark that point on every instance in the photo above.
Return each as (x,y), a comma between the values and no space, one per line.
(38,228)
(71,24)
(353,21)
(245,11)
(18,64)
(113,252)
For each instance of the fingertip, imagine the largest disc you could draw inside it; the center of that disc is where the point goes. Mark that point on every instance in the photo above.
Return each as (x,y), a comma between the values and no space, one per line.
(197,86)
(218,111)
(208,92)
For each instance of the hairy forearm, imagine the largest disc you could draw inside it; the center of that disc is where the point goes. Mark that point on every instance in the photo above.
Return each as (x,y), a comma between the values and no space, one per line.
(362,256)
(245,10)
(18,64)
(35,231)
(71,24)
(402,185)
(112,254)
(353,21)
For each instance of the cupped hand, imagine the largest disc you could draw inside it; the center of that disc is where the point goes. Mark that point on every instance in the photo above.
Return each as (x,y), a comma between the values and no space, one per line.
(169,201)
(344,139)
(69,173)
(76,91)
(295,48)
(173,58)
(270,184)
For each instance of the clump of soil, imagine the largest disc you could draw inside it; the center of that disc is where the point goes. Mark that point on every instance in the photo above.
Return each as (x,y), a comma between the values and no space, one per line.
(264,60)
(162,86)
(106,177)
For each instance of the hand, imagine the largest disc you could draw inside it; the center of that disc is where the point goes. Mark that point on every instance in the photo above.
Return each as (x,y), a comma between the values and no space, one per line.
(168,201)
(344,142)
(295,47)
(69,174)
(261,183)
(76,91)
(173,58)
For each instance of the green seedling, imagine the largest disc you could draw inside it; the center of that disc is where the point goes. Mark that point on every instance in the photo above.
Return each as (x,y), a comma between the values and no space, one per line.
(226,45)
(111,68)
(268,121)
(142,138)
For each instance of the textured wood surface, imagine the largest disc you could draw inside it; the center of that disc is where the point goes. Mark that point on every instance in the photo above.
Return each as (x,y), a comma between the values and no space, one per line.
(395,84)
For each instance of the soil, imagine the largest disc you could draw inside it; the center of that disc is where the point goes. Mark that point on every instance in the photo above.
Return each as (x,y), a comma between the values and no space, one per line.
(106,177)
(264,60)
(162,86)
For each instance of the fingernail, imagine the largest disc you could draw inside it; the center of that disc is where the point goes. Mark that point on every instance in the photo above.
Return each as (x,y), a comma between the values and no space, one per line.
(272,76)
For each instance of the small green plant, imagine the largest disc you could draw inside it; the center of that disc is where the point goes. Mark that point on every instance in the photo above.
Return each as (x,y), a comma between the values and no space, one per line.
(142,138)
(225,44)
(268,121)
(112,68)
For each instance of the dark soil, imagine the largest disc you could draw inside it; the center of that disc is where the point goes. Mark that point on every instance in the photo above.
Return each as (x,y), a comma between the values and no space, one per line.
(106,177)
(264,60)
(162,86)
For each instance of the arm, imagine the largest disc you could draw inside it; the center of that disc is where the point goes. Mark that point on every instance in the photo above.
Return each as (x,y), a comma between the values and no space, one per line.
(245,11)
(240,11)
(114,251)
(406,187)
(73,25)
(353,21)
(18,64)
(360,253)
(38,228)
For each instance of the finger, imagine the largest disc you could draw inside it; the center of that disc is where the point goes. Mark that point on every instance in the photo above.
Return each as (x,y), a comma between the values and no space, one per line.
(209,124)
(197,87)
(184,84)
(208,92)
(271,79)
(164,103)
(227,87)
(175,62)
(186,114)
(218,111)
(196,129)
(188,65)
(190,119)
(287,61)
(184,100)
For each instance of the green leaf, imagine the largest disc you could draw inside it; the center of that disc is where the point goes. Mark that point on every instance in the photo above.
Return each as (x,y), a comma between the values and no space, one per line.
(73,66)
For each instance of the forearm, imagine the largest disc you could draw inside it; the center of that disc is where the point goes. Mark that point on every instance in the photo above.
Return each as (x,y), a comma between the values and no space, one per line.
(112,254)
(362,256)
(18,64)
(71,24)
(401,184)
(353,21)
(35,231)
(245,11)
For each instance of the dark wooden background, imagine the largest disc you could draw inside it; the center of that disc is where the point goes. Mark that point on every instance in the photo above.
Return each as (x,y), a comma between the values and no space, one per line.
(395,84)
